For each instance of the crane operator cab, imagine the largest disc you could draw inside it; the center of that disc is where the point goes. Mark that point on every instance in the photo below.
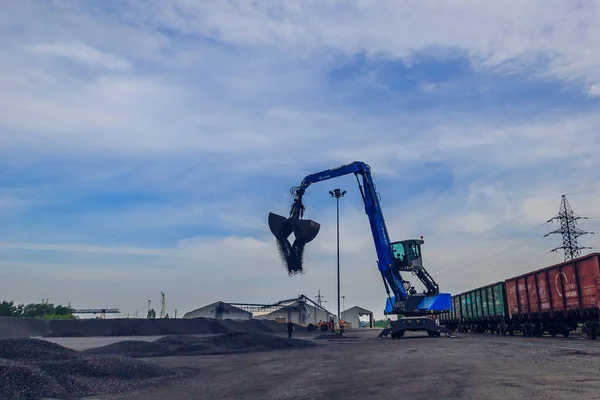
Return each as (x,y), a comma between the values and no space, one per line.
(408,258)
(407,254)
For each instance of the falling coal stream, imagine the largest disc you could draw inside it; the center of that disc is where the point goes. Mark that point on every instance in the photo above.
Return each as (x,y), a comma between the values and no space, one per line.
(291,256)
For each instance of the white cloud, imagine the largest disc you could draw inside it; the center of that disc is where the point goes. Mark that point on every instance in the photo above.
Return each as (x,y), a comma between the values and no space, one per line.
(491,34)
(209,127)
(594,90)
(82,53)
(83,248)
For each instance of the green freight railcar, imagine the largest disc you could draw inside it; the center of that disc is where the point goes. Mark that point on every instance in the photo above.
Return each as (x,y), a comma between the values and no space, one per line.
(451,319)
(478,310)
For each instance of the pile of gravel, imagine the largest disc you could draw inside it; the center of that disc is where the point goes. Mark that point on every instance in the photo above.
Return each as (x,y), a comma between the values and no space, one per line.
(178,345)
(33,369)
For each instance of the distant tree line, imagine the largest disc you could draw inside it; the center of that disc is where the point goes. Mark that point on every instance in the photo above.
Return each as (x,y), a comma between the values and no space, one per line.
(380,323)
(33,310)
(383,323)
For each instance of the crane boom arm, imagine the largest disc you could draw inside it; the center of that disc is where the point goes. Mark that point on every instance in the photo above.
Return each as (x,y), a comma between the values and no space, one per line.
(385,258)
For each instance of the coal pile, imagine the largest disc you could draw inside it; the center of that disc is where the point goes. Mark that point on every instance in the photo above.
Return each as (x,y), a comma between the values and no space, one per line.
(235,342)
(11,327)
(132,348)
(134,327)
(104,367)
(251,342)
(34,350)
(33,369)
(20,381)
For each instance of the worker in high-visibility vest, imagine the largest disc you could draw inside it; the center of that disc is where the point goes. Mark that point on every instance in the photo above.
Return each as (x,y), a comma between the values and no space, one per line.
(342,326)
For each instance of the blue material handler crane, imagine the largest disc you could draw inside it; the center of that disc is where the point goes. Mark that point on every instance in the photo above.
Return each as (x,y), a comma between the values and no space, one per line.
(393,257)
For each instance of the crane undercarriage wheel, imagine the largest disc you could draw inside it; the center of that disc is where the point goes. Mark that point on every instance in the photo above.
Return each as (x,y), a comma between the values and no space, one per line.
(397,335)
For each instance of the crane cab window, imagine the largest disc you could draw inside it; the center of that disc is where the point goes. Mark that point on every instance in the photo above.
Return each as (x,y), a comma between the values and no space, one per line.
(405,253)
(413,252)
(399,253)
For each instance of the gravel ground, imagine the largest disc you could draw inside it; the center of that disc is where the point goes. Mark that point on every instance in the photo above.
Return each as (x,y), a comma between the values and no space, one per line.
(416,367)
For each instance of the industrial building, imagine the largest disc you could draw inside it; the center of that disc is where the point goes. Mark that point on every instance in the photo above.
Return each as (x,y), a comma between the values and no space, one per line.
(219,310)
(300,310)
(352,317)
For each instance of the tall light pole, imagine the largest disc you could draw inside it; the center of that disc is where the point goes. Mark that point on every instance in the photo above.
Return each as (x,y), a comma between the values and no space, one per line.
(337,193)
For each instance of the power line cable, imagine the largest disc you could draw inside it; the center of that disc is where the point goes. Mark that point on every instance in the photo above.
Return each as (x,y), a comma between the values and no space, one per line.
(582,192)
(506,250)
(514,263)
(507,222)
(519,260)
(504,241)
(499,243)
(512,248)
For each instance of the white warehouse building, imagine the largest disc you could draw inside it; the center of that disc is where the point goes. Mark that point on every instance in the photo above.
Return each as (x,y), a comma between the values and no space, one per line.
(352,317)
(219,310)
(301,310)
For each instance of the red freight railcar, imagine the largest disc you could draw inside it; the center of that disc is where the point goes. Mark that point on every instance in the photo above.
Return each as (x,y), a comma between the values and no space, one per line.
(556,298)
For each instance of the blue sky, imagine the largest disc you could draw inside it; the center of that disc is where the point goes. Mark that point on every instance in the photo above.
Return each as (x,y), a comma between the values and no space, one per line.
(143,146)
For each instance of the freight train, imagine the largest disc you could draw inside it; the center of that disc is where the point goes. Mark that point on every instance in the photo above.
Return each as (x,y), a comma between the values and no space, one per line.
(555,300)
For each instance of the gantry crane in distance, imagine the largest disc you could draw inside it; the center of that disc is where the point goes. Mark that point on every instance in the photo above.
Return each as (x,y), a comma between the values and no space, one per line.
(393,257)
(101,311)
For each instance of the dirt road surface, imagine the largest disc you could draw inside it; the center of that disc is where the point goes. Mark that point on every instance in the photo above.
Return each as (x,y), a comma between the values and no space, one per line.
(416,367)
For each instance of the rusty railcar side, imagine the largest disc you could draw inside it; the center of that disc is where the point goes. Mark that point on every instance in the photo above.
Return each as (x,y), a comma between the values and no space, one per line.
(555,299)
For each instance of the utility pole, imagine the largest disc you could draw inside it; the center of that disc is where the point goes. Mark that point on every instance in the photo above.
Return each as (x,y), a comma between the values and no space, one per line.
(569,230)
(337,194)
